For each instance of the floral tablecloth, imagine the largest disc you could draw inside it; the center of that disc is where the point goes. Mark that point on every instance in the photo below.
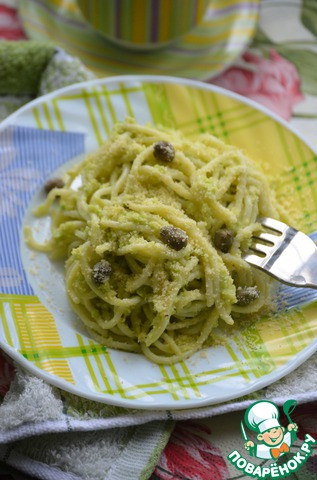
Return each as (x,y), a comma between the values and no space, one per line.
(279,70)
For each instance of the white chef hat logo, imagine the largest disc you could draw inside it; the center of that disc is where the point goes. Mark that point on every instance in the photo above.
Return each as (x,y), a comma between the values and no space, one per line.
(262,416)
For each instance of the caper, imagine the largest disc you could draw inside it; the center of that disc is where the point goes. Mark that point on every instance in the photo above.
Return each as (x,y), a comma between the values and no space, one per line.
(246,295)
(101,272)
(174,237)
(223,239)
(53,183)
(164,151)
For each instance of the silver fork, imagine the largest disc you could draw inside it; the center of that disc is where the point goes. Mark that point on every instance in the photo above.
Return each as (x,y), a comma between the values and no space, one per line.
(285,253)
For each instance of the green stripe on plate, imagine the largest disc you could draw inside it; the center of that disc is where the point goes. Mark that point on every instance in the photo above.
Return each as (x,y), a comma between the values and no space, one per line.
(58,114)
(257,351)
(237,362)
(5,324)
(88,364)
(91,113)
(64,352)
(169,383)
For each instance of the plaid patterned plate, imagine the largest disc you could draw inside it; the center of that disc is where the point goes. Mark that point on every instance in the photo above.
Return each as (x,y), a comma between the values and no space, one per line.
(37,327)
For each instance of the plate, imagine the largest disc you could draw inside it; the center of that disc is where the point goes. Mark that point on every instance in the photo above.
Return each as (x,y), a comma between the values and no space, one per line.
(225,32)
(38,329)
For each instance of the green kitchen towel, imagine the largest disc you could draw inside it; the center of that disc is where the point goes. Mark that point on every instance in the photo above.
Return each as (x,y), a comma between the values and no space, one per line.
(30,68)
(22,65)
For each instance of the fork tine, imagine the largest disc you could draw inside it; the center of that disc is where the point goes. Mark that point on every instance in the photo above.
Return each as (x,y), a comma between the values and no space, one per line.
(261,248)
(267,237)
(255,260)
(273,224)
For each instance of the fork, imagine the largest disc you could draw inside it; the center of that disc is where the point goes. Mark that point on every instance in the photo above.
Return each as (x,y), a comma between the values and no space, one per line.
(284,253)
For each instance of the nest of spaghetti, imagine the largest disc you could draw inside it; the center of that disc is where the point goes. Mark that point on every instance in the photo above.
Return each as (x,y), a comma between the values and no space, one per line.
(153,227)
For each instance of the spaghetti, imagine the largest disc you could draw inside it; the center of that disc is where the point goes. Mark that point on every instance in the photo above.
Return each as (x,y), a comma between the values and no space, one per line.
(153,239)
